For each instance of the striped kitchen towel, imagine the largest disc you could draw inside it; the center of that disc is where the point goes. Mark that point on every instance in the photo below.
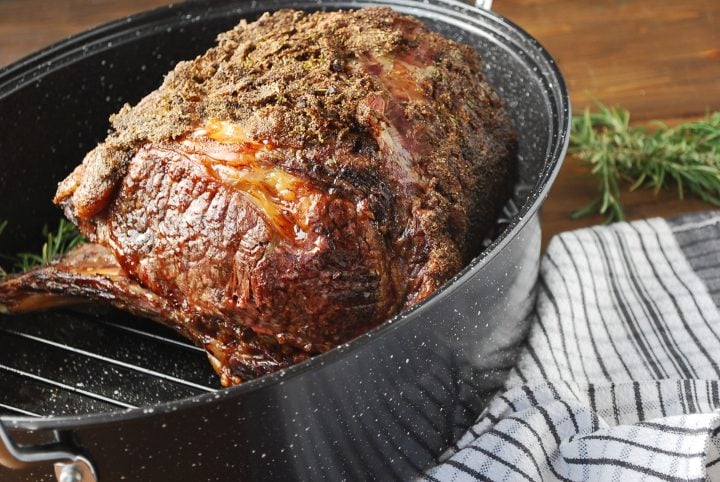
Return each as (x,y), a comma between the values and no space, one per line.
(619,378)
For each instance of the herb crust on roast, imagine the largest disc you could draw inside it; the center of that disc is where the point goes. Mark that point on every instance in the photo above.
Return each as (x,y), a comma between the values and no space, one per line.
(306,179)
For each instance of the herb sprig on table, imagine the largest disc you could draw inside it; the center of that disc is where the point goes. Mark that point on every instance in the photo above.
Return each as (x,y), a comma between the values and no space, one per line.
(686,155)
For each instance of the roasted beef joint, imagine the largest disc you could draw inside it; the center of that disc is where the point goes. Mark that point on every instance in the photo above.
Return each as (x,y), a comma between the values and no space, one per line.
(306,179)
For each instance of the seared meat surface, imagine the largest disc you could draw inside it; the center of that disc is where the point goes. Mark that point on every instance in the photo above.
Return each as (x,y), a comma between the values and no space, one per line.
(306,179)
(92,273)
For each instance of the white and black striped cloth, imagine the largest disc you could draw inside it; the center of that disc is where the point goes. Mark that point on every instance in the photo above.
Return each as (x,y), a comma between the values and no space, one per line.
(619,378)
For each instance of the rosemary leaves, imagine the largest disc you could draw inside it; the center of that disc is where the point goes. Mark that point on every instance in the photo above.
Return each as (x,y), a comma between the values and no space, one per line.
(686,156)
(57,243)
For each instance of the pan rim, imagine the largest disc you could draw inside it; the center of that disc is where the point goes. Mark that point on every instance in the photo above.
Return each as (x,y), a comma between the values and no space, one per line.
(463,15)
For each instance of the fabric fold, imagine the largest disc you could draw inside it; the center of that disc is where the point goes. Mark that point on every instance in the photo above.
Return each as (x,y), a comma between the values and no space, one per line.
(618,379)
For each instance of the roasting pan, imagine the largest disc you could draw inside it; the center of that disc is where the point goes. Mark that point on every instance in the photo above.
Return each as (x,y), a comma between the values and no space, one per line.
(113,398)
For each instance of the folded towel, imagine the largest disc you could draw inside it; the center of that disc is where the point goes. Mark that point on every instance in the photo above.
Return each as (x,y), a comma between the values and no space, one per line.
(619,378)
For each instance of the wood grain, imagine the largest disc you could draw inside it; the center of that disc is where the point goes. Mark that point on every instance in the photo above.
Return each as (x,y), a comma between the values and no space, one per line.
(660,59)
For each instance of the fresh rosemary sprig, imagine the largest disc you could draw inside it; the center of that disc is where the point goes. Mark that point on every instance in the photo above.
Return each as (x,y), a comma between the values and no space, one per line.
(687,155)
(57,243)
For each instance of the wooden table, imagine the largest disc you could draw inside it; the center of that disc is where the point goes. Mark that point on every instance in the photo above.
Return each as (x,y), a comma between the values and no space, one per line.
(660,59)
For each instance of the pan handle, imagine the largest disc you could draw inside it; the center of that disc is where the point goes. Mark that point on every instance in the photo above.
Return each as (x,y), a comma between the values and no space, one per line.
(69,466)
(486,4)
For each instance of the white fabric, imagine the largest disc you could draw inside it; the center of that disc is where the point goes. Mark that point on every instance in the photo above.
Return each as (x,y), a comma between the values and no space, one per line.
(619,377)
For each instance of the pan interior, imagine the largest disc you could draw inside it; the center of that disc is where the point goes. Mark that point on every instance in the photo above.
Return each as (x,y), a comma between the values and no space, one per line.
(54,107)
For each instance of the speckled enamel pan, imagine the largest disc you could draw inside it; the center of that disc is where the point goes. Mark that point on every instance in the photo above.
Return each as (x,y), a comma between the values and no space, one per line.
(130,401)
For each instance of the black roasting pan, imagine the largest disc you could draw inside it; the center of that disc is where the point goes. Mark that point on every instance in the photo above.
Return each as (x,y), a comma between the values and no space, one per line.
(101,394)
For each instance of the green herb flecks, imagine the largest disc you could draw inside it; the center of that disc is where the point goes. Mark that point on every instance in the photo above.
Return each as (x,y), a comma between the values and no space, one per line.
(687,155)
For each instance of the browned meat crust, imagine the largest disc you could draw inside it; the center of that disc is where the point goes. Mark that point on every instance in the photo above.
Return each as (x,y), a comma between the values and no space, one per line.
(303,181)
(91,273)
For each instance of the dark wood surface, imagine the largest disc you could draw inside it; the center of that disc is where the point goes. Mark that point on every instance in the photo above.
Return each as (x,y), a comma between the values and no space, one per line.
(660,59)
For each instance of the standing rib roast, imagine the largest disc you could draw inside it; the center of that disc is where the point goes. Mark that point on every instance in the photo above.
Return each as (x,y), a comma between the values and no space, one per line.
(306,179)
